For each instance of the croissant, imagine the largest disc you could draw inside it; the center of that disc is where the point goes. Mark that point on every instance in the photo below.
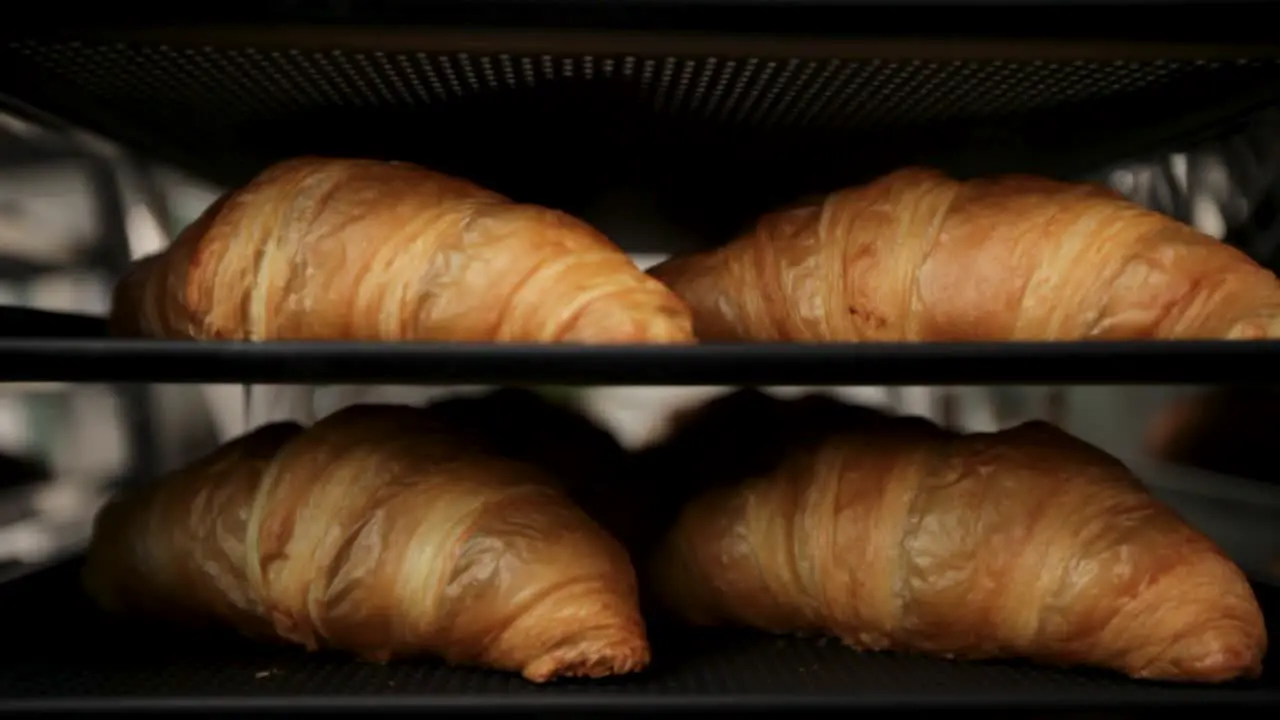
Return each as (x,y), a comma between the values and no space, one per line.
(335,249)
(894,534)
(918,256)
(378,531)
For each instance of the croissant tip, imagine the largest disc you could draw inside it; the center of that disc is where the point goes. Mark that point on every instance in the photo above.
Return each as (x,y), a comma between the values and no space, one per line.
(588,661)
(1224,667)
(1210,661)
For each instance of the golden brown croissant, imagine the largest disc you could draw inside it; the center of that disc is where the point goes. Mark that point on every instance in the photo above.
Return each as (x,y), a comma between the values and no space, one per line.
(378,531)
(892,533)
(318,248)
(917,256)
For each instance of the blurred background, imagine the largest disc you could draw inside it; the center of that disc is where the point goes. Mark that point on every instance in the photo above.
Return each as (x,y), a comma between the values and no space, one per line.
(74,210)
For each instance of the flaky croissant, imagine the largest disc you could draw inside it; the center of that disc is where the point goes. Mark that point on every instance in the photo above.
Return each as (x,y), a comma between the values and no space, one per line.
(332,249)
(377,531)
(918,256)
(892,533)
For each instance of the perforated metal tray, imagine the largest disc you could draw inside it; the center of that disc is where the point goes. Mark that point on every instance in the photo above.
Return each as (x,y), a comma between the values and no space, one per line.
(725,111)
(60,654)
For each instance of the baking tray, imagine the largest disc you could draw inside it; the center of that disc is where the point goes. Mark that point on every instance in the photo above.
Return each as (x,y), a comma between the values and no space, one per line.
(698,103)
(60,654)
(1077,363)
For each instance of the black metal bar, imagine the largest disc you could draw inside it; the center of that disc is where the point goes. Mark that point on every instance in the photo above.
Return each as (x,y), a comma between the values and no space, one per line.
(1082,363)
(1145,19)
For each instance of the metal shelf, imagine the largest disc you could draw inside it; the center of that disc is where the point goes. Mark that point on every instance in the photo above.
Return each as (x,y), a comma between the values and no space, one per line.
(697,101)
(118,360)
(61,654)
